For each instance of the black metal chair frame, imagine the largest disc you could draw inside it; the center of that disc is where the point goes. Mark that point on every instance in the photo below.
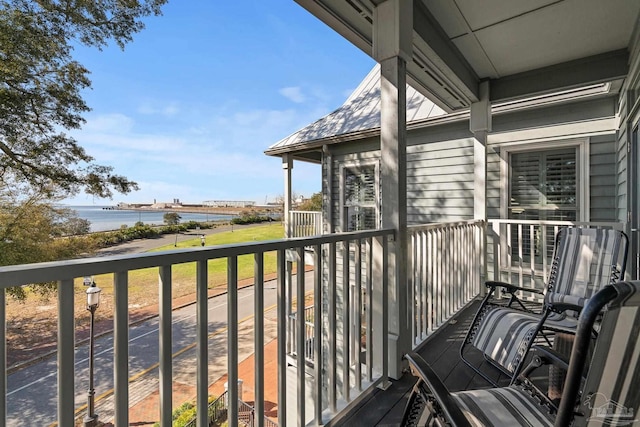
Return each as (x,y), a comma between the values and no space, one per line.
(543,328)
(429,393)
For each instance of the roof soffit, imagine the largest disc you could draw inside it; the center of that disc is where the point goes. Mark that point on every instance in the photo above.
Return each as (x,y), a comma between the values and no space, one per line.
(458,43)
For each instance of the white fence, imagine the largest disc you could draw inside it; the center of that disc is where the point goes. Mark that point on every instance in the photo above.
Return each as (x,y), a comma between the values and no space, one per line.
(305,223)
(446,272)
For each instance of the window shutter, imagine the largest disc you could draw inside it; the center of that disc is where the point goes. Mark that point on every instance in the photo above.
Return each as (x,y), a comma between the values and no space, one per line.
(544,182)
(543,186)
(360,198)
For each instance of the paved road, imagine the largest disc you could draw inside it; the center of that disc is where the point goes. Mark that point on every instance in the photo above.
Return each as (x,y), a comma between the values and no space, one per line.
(32,391)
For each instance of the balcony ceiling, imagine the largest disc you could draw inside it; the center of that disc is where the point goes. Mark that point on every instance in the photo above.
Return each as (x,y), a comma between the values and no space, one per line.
(523,47)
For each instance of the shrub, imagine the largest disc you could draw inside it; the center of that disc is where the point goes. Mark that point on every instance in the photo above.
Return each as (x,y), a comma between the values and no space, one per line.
(185,413)
(251,218)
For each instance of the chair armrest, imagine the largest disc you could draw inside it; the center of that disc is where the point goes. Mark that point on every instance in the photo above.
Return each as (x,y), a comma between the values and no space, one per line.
(561,307)
(511,288)
(421,369)
(547,356)
(552,356)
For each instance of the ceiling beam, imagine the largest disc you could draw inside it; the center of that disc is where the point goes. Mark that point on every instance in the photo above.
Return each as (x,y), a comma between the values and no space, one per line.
(581,72)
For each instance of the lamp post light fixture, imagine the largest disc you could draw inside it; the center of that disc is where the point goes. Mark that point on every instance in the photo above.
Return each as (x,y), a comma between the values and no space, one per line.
(93,301)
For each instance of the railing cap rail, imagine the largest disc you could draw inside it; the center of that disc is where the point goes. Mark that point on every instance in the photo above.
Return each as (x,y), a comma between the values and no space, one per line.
(612,224)
(305,212)
(24,274)
(442,225)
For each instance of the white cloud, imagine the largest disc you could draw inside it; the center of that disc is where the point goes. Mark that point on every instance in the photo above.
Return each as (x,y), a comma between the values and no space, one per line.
(293,94)
(150,108)
(109,123)
(214,154)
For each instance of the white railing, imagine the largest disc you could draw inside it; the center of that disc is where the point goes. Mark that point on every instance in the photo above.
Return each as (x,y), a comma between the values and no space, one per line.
(309,332)
(305,223)
(520,251)
(334,386)
(446,272)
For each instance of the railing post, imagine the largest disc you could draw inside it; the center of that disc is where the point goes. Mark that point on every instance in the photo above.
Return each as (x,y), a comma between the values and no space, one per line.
(202,349)
(301,338)
(317,335)
(259,336)
(166,357)
(121,347)
(66,353)
(332,351)
(3,358)
(283,314)
(232,338)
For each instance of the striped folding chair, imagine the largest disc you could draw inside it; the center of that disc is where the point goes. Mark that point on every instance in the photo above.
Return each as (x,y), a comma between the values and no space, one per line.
(584,261)
(607,393)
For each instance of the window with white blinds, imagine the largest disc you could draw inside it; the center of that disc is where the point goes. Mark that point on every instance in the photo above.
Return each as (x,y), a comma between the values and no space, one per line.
(542,186)
(360,200)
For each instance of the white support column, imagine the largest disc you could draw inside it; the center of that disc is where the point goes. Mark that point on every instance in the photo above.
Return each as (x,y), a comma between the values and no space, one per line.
(392,47)
(480,125)
(287,166)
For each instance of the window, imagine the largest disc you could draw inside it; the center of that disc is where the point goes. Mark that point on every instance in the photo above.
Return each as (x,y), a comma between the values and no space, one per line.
(544,184)
(360,198)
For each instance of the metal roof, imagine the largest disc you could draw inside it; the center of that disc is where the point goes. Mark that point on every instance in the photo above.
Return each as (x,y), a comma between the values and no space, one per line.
(360,112)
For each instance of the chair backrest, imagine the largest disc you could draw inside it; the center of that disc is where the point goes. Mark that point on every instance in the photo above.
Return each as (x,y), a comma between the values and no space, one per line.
(584,261)
(611,393)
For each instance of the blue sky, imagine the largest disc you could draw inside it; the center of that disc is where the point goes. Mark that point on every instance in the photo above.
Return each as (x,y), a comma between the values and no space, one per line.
(189,107)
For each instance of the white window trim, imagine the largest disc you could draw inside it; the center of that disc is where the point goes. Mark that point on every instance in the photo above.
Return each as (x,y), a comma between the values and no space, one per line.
(355,166)
(582,160)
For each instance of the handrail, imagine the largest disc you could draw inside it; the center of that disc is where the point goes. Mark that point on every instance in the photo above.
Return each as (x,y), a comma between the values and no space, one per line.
(25,274)
(443,225)
(612,224)
(214,410)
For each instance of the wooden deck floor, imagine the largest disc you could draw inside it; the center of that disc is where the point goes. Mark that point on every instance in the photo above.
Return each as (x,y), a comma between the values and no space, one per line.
(385,408)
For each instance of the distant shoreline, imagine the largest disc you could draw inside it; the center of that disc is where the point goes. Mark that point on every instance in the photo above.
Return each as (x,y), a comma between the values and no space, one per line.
(204,210)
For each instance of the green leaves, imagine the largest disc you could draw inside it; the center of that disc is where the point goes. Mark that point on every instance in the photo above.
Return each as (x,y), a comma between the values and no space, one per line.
(41,84)
(171,218)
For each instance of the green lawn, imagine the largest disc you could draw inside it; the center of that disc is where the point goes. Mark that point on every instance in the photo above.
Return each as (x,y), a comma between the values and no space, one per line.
(144,282)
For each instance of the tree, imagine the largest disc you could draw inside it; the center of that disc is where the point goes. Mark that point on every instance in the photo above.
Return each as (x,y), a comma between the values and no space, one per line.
(314,203)
(31,227)
(71,225)
(171,218)
(41,84)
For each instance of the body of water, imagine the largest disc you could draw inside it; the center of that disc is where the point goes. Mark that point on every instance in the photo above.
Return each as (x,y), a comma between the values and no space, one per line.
(106,219)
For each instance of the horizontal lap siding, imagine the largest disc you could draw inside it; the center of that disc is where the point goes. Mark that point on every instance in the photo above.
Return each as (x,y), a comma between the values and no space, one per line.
(621,156)
(440,182)
(629,113)
(602,170)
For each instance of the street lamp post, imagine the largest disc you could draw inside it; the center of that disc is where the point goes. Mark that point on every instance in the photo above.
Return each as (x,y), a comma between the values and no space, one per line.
(93,300)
